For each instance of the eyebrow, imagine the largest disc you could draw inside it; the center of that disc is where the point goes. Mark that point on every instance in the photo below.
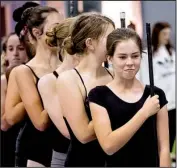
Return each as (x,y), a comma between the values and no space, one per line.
(126,54)
(17,45)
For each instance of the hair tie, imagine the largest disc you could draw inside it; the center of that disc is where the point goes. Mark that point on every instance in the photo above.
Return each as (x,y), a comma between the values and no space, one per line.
(23,31)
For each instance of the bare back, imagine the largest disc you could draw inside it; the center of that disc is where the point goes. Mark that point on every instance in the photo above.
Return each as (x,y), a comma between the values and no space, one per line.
(48,92)
(73,87)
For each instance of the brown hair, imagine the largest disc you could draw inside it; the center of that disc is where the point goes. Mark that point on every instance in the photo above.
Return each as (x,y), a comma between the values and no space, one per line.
(121,34)
(34,17)
(17,14)
(88,25)
(158,27)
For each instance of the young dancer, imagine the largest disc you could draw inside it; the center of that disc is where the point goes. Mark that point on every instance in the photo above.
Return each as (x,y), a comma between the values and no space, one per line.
(47,89)
(36,21)
(88,41)
(15,54)
(131,127)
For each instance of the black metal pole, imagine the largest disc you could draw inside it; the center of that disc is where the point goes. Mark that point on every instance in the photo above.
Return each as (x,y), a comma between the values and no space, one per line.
(151,79)
(72,8)
(151,76)
(122,19)
(106,64)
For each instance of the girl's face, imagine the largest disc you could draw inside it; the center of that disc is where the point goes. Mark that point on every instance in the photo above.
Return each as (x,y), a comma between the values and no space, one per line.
(164,36)
(15,51)
(126,59)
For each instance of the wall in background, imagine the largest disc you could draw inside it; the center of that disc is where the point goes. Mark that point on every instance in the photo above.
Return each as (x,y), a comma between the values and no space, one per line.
(3,30)
(154,11)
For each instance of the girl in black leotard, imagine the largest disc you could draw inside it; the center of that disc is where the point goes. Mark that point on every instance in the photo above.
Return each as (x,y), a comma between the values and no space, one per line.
(88,41)
(34,138)
(17,51)
(15,54)
(47,88)
(131,127)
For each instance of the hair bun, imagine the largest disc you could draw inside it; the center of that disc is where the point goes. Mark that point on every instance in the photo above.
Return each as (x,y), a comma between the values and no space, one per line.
(20,25)
(30,4)
(26,14)
(17,14)
(69,46)
(19,11)
(51,38)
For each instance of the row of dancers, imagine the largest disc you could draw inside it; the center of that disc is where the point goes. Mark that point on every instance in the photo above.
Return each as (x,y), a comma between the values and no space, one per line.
(72,110)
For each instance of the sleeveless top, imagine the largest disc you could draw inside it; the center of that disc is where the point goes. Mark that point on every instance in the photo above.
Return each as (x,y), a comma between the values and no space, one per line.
(89,154)
(33,144)
(60,143)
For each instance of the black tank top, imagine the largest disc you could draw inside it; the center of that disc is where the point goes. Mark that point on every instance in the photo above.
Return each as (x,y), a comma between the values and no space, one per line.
(60,143)
(89,154)
(33,144)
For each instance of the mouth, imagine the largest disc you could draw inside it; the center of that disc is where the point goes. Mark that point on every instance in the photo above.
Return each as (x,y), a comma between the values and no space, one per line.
(16,59)
(129,70)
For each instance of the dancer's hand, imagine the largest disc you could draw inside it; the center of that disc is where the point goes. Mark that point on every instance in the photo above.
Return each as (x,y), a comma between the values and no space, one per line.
(151,106)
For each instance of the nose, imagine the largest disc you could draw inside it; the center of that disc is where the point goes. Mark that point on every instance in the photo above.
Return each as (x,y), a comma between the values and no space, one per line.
(16,52)
(129,61)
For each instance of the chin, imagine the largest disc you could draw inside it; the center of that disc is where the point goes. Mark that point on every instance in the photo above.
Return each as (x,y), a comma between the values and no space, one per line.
(165,42)
(129,77)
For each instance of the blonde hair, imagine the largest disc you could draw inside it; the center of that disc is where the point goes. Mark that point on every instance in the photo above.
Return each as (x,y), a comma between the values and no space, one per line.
(56,34)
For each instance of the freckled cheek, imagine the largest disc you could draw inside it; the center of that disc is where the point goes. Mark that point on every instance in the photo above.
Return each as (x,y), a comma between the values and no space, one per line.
(9,55)
(137,63)
(23,54)
(137,67)
(118,65)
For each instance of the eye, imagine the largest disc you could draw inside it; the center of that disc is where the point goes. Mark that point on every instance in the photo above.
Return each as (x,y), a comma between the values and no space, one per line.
(10,49)
(135,56)
(122,57)
(21,48)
